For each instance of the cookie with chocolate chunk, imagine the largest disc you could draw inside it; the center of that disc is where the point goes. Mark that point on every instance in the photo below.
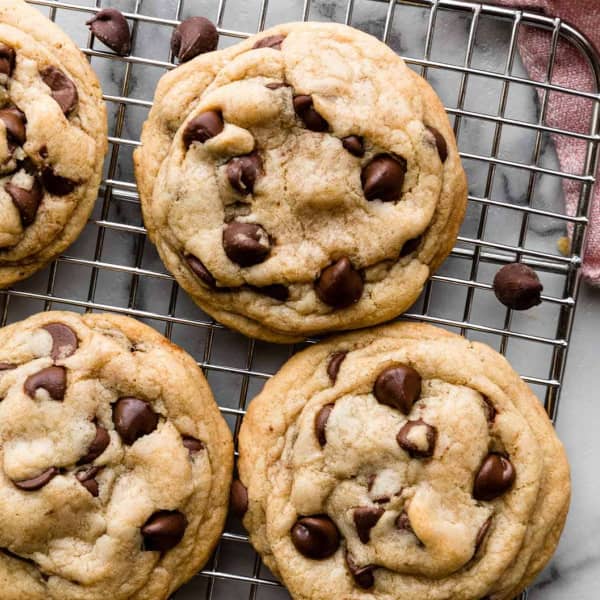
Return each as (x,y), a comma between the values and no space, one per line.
(303,181)
(401,462)
(53,138)
(115,463)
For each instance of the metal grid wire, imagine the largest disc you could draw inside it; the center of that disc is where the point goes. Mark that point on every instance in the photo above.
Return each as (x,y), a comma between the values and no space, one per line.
(112,268)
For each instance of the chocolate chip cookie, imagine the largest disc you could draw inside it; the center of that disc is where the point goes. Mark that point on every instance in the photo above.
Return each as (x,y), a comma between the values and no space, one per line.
(52,141)
(303,181)
(401,462)
(115,462)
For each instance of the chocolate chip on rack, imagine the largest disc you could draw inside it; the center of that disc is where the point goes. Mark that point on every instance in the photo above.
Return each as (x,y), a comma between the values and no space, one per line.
(203,127)
(321,423)
(410,246)
(365,518)
(192,444)
(270,41)
(440,143)
(238,498)
(355,145)
(64,340)
(57,184)
(417,438)
(304,107)
(7,60)
(364,577)
(243,171)
(335,363)
(15,122)
(495,477)
(200,271)
(518,287)
(192,37)
(51,379)
(87,478)
(340,284)
(482,534)
(62,89)
(316,537)
(26,201)
(164,530)
(97,447)
(383,177)
(398,386)
(276,291)
(133,418)
(37,482)
(111,28)
(246,244)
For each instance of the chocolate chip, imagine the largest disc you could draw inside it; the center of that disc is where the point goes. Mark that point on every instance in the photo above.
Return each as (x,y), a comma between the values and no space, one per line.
(203,127)
(7,60)
(481,534)
(200,270)
(321,423)
(490,409)
(495,477)
(38,482)
(26,201)
(277,86)
(97,447)
(440,143)
(355,145)
(398,386)
(56,184)
(133,418)
(51,379)
(417,438)
(238,498)
(87,479)
(271,41)
(340,284)
(164,530)
(111,28)
(335,362)
(192,444)
(363,576)
(383,177)
(7,367)
(14,121)
(303,105)
(518,286)
(276,291)
(242,172)
(410,246)
(403,522)
(365,518)
(63,89)
(194,36)
(246,244)
(316,537)
(379,499)
(64,340)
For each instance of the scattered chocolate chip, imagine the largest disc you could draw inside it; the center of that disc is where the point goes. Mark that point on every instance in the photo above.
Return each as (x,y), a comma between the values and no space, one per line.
(192,37)
(63,89)
(242,172)
(276,291)
(192,444)
(490,409)
(238,498)
(335,362)
(481,534)
(363,576)
(277,86)
(111,28)
(7,60)
(51,379)
(133,418)
(518,286)
(303,105)
(97,447)
(355,145)
(64,340)
(365,518)
(321,423)
(440,143)
(57,184)
(271,41)
(398,386)
(340,284)
(14,122)
(246,244)
(403,522)
(316,537)
(495,477)
(38,482)
(164,530)
(410,246)
(383,177)
(200,270)
(87,479)
(417,438)
(26,201)
(203,127)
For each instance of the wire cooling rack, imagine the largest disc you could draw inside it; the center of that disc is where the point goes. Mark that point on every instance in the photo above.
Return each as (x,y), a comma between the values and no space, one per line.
(469,52)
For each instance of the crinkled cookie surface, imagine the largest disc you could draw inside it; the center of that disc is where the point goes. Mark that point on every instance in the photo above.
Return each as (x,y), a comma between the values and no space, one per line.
(115,462)
(303,181)
(402,462)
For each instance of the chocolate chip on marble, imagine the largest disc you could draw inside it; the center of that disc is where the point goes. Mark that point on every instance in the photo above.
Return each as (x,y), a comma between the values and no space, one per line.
(203,127)
(270,41)
(246,244)
(111,28)
(403,522)
(14,121)
(363,576)
(316,537)
(340,284)
(133,418)
(365,518)
(490,409)
(57,184)
(26,201)
(518,287)
(304,107)
(321,419)
(194,36)
(243,171)
(277,291)
(51,379)
(164,530)
(383,177)
(7,60)
(37,482)
(200,270)
(87,479)
(192,444)
(97,447)
(495,477)
(410,246)
(398,386)
(238,498)
(482,533)
(355,145)
(277,86)
(417,438)
(335,362)
(63,89)
(440,143)
(64,340)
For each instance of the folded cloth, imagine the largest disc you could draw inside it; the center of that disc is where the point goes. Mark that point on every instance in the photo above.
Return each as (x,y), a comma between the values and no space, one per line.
(565,111)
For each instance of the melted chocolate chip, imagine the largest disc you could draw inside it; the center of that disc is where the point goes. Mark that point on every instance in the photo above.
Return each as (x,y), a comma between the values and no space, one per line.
(490,409)
(111,28)
(518,287)
(403,522)
(408,439)
(200,270)
(64,340)
(316,537)
(243,171)
(321,419)
(193,37)
(495,477)
(270,41)
(363,576)
(14,122)
(97,447)
(7,60)
(26,201)
(482,534)
(365,518)
(383,177)
(164,530)
(51,379)
(38,482)
(246,244)
(303,105)
(398,386)
(410,246)
(133,418)
(276,291)
(192,444)
(238,498)
(277,86)
(57,184)
(440,143)
(340,285)
(7,367)
(62,89)
(87,479)
(203,127)
(355,145)
(335,362)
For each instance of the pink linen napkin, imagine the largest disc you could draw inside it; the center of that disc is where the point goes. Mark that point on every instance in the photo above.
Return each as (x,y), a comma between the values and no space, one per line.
(566,111)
